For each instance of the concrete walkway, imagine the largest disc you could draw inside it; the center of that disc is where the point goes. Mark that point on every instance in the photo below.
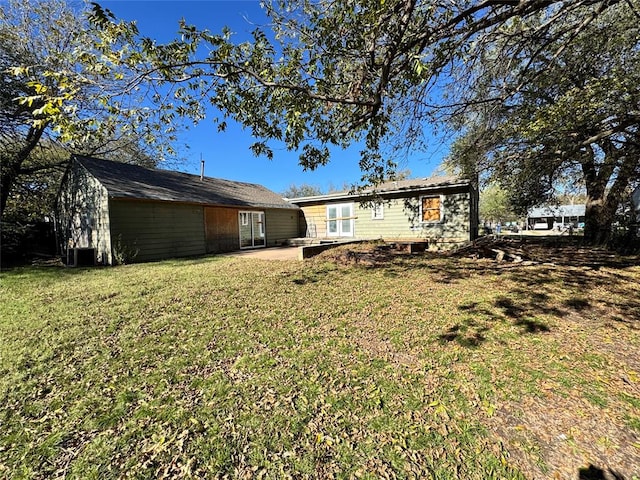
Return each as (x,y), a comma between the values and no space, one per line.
(271,253)
(297,252)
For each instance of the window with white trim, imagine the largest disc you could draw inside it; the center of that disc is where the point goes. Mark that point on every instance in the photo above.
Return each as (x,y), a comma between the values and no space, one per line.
(377,211)
(340,220)
(261,224)
(431,209)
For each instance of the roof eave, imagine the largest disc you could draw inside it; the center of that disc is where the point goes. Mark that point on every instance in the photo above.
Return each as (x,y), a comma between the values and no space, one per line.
(205,204)
(367,193)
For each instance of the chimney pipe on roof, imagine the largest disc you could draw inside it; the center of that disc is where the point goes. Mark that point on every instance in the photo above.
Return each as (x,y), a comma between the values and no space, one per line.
(201,168)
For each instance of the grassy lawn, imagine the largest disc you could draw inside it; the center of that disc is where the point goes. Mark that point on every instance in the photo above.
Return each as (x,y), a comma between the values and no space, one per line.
(402,367)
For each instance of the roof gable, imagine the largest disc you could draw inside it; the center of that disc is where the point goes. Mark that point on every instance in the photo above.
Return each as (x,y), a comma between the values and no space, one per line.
(128,181)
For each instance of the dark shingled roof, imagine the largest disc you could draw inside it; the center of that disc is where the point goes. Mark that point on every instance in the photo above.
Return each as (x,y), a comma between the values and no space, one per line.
(396,187)
(124,180)
(417,183)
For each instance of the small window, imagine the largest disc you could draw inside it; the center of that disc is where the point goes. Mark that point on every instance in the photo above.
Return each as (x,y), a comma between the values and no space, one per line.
(377,211)
(431,209)
(244,219)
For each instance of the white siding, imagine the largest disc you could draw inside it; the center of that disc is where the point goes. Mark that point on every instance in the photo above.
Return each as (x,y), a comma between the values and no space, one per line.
(83,214)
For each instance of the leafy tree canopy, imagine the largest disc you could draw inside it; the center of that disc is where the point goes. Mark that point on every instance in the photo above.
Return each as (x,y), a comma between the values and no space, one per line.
(326,73)
(514,76)
(494,205)
(61,92)
(557,114)
(304,190)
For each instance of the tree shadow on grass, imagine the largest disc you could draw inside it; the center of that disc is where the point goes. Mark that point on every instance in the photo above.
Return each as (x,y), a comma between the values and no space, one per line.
(617,298)
(471,333)
(466,334)
(538,296)
(557,284)
(538,293)
(577,304)
(594,473)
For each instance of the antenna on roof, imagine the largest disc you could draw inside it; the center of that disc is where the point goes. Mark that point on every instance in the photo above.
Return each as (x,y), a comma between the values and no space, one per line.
(201,168)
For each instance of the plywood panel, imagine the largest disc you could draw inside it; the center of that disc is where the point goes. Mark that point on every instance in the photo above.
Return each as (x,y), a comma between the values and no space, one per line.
(221,229)
(315,217)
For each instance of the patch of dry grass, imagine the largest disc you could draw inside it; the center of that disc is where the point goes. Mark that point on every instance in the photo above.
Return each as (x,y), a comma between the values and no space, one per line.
(355,364)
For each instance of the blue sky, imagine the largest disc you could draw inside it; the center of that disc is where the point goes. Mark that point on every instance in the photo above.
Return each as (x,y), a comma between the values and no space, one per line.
(227,154)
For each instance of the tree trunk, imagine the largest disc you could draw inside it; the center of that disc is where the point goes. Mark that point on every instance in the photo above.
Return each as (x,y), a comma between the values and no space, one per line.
(606,189)
(9,176)
(598,220)
(597,224)
(12,168)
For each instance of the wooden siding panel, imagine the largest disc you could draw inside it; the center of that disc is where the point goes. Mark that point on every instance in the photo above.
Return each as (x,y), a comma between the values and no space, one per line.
(280,225)
(157,230)
(314,224)
(221,229)
(401,221)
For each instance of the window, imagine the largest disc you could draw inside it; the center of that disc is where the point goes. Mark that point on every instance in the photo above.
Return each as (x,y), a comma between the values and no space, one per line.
(377,211)
(431,209)
(244,218)
(261,224)
(340,220)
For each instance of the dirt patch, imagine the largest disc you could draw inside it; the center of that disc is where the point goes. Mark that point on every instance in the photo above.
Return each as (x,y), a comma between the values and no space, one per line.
(372,254)
(552,436)
(370,342)
(564,251)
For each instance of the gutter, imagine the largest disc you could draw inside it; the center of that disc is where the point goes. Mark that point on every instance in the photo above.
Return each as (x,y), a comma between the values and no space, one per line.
(204,204)
(368,193)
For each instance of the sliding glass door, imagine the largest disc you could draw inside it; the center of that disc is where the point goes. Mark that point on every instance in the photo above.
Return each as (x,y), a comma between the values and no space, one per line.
(252,233)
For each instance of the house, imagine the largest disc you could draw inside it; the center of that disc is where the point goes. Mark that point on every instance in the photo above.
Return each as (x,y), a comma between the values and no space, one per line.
(441,210)
(127,212)
(562,216)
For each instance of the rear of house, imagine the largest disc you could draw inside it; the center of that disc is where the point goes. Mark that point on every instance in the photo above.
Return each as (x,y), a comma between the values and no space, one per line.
(129,213)
(440,210)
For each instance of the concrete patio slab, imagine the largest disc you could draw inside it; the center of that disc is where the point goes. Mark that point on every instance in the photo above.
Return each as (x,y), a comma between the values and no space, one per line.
(271,253)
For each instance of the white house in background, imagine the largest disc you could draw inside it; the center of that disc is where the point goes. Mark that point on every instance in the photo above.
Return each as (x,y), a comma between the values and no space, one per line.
(552,216)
